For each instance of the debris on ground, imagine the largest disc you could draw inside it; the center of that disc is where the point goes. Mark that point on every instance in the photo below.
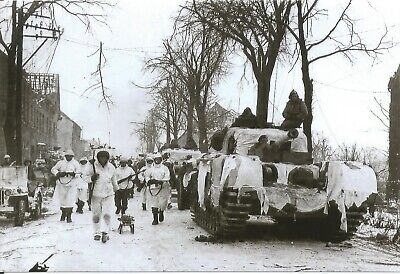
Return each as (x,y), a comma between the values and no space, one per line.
(208,239)
(342,244)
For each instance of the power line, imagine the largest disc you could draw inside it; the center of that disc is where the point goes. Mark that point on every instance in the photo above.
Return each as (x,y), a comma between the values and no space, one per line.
(350,90)
(77,94)
(112,49)
(326,120)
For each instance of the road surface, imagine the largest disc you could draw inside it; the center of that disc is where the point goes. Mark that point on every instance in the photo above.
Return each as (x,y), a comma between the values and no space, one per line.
(171,246)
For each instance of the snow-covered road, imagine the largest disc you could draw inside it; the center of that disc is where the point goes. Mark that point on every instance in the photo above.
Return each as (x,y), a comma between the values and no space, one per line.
(170,246)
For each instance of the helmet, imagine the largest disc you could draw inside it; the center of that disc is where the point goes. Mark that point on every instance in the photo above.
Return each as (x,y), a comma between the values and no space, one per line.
(69,152)
(149,160)
(123,159)
(83,159)
(293,92)
(7,156)
(157,158)
(103,153)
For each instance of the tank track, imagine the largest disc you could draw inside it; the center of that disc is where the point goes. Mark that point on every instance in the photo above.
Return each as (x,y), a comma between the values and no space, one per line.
(355,217)
(228,220)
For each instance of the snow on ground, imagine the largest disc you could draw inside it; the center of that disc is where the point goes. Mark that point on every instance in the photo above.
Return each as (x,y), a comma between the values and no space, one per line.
(170,246)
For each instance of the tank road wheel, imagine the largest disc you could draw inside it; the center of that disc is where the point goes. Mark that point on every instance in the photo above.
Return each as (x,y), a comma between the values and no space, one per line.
(19,211)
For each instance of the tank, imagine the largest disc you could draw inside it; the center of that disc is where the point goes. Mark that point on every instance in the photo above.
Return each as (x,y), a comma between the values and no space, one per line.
(233,189)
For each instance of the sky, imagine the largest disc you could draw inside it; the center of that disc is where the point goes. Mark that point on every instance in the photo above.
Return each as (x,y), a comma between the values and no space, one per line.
(344,92)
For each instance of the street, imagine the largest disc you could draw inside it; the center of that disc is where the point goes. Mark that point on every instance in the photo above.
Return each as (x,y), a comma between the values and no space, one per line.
(171,246)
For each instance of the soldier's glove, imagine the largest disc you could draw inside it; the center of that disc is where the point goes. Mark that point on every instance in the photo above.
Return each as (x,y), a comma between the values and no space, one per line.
(61,174)
(94,177)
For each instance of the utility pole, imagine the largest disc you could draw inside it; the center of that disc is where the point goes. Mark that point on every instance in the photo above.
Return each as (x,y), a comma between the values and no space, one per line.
(18,33)
(393,185)
(18,90)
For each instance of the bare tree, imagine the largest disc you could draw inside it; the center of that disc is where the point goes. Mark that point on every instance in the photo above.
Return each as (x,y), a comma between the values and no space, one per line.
(149,131)
(197,55)
(171,111)
(382,114)
(323,151)
(98,77)
(305,31)
(349,153)
(378,161)
(83,10)
(257,28)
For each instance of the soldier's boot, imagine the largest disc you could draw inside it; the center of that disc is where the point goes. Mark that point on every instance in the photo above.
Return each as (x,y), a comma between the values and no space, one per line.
(143,206)
(77,206)
(118,210)
(104,237)
(69,213)
(154,210)
(80,205)
(81,208)
(63,214)
(97,237)
(161,216)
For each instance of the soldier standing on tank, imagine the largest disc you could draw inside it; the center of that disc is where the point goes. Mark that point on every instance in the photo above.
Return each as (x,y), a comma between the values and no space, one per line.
(157,187)
(66,171)
(6,161)
(295,112)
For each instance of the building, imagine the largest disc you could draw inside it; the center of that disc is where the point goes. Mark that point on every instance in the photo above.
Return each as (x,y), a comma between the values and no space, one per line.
(40,110)
(217,118)
(44,126)
(69,135)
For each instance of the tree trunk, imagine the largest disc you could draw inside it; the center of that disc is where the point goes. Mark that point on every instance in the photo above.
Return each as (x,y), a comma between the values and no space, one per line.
(307,82)
(201,115)
(263,88)
(168,123)
(189,124)
(175,128)
(393,186)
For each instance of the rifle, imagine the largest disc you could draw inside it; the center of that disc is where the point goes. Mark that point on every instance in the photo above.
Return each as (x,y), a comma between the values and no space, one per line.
(41,267)
(124,179)
(91,188)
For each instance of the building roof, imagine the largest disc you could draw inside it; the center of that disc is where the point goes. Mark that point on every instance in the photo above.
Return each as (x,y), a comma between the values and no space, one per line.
(66,116)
